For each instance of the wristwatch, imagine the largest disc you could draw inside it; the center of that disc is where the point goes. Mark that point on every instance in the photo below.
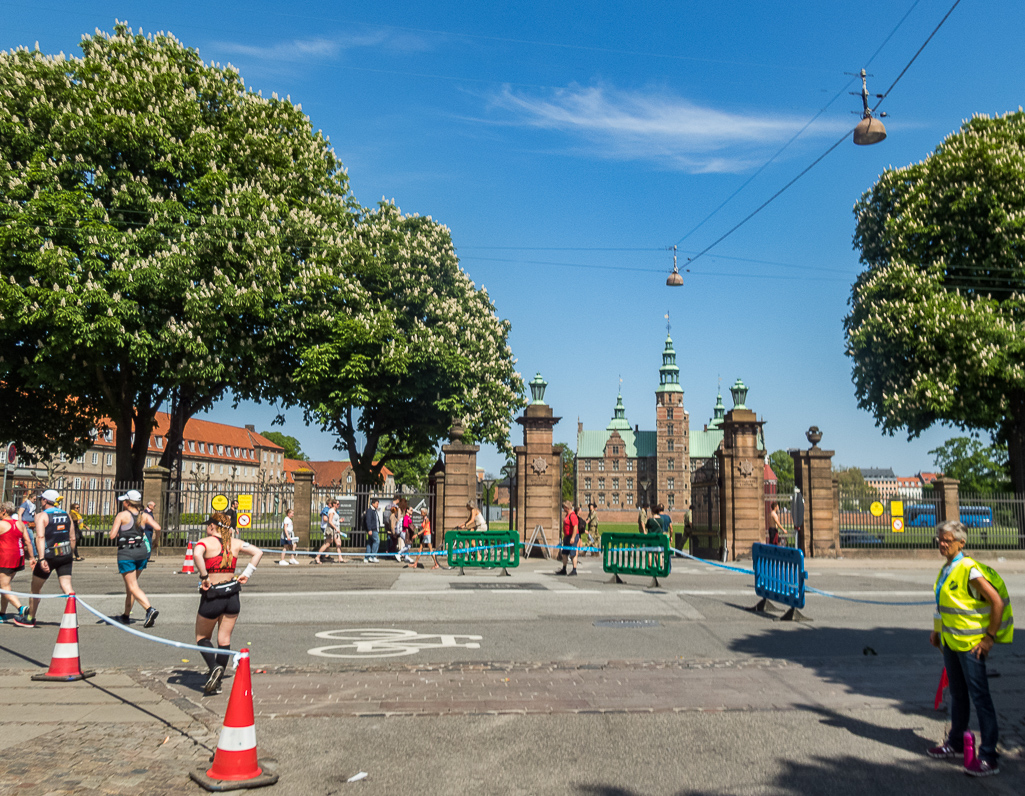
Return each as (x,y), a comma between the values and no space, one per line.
(990,635)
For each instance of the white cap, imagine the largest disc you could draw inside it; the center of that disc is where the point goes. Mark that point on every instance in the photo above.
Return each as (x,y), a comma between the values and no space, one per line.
(133,495)
(50,495)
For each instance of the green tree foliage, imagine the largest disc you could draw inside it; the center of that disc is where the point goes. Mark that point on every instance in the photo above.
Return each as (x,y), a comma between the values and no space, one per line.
(783,466)
(414,346)
(163,233)
(937,322)
(851,480)
(408,469)
(293,450)
(979,468)
(566,458)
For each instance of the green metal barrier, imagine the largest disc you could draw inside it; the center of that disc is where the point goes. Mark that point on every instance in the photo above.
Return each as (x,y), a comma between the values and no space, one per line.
(635,554)
(487,550)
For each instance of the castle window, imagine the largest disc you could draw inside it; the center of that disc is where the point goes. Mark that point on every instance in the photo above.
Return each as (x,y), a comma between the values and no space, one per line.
(587,464)
(671,500)
(601,465)
(671,464)
(670,483)
(671,445)
(629,498)
(587,483)
(615,498)
(669,413)
(615,450)
(587,498)
(629,465)
(630,484)
(601,498)
(642,464)
(615,483)
(670,429)
(601,483)
(615,464)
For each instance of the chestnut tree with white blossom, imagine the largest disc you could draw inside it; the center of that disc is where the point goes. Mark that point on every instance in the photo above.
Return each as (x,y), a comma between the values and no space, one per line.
(164,231)
(421,346)
(937,321)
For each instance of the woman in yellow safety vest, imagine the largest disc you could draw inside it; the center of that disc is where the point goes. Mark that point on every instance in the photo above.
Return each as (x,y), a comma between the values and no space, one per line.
(973,612)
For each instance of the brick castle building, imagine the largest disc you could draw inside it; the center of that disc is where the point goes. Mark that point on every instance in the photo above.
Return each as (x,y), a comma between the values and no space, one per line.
(622,467)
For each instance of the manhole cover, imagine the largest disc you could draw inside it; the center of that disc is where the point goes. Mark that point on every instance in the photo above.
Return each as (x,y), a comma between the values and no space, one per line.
(501,586)
(626,623)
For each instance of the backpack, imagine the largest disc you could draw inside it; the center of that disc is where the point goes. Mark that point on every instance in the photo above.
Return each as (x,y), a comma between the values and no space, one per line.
(323,517)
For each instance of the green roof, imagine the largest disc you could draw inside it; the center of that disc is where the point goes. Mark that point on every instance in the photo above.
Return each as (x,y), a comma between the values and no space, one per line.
(704,443)
(591,444)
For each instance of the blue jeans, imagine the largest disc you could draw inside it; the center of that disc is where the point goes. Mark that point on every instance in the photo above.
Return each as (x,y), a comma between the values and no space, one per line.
(969,686)
(372,543)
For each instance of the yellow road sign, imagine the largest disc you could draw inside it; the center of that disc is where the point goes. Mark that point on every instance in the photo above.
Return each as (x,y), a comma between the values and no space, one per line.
(245,519)
(876,508)
(245,502)
(219,503)
(896,508)
(897,524)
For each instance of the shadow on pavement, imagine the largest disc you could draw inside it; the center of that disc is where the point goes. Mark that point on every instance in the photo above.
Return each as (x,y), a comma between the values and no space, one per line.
(17,654)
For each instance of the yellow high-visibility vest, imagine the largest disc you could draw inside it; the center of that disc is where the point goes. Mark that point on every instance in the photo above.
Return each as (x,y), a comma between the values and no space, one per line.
(964,620)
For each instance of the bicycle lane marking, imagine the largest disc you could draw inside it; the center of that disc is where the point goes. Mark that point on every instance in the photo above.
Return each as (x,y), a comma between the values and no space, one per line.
(387,642)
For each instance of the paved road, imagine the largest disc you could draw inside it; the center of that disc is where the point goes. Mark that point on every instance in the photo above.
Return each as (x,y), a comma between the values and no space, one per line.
(528,684)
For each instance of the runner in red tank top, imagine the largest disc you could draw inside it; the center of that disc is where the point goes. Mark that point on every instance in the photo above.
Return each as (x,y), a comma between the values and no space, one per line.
(14,541)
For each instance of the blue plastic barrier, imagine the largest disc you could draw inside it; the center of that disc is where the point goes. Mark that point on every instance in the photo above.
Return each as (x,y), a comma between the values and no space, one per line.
(779,574)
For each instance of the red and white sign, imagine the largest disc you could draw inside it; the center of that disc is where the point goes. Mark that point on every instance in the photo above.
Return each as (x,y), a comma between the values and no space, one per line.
(12,454)
(245,519)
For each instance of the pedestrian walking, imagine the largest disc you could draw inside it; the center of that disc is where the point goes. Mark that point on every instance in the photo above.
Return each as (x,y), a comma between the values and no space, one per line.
(133,551)
(332,533)
(642,516)
(15,545)
(777,533)
(232,514)
(425,538)
(219,605)
(570,539)
(405,531)
(475,520)
(288,538)
(591,526)
(973,612)
(54,548)
(372,521)
(27,510)
(393,522)
(79,526)
(654,522)
(665,521)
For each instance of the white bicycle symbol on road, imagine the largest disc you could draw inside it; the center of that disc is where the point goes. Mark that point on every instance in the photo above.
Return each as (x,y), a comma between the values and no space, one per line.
(372,642)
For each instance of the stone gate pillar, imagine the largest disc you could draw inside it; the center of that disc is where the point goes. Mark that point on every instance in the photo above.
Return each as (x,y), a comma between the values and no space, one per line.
(950,499)
(742,470)
(303,506)
(538,469)
(155,482)
(813,475)
(460,479)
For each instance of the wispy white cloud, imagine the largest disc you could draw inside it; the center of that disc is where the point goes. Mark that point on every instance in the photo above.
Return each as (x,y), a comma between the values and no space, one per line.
(656,126)
(327,47)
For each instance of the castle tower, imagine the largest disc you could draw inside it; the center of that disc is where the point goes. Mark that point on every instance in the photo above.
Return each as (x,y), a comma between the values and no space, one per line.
(672,429)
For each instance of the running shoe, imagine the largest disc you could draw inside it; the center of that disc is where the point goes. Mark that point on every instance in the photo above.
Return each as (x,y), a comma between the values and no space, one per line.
(282,563)
(574,571)
(151,616)
(943,752)
(123,619)
(292,561)
(981,768)
(22,619)
(213,683)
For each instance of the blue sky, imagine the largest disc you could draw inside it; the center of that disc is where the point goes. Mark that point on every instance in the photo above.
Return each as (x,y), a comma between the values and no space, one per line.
(567,145)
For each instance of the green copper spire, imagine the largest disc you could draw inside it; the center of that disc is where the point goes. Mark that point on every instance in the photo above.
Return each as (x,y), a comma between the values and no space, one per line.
(718,412)
(669,373)
(619,421)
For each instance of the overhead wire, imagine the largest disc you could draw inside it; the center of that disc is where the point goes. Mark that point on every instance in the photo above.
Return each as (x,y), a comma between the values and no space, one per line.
(821,157)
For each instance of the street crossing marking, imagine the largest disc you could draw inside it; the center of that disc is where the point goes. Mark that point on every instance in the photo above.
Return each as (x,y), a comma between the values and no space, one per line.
(387,642)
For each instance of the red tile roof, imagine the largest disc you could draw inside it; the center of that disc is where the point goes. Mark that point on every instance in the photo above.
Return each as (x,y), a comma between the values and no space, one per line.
(334,472)
(203,440)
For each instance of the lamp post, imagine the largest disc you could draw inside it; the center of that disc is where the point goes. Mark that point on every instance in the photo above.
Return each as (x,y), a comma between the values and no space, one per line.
(507,470)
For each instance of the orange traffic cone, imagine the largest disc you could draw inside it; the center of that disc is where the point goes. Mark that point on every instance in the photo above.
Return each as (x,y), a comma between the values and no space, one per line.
(188,568)
(235,764)
(65,665)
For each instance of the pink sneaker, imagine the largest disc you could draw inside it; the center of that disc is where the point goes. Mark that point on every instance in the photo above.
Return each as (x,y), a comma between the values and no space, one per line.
(980,768)
(943,752)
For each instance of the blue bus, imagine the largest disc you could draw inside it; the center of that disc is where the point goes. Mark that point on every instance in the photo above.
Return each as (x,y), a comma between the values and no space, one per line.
(921,515)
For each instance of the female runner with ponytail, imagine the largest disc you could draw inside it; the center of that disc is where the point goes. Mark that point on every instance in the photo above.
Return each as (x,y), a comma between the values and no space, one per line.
(219,603)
